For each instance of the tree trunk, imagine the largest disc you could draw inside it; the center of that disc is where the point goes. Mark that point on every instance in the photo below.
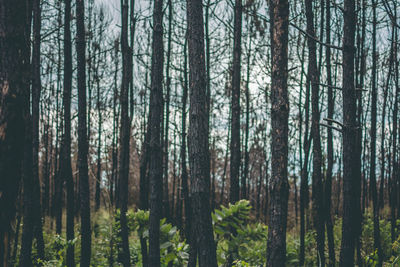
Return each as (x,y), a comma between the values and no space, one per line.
(304,165)
(383,128)
(36,91)
(98,175)
(246,136)
(374,192)
(199,158)
(156,104)
(14,109)
(279,186)
(123,177)
(84,190)
(166,205)
(58,191)
(235,94)
(317,188)
(66,169)
(395,165)
(331,108)
(350,158)
(28,198)
(185,186)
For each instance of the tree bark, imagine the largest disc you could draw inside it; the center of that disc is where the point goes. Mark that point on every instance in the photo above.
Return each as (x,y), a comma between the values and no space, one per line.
(84,190)
(14,87)
(36,92)
(156,105)
(317,188)
(331,108)
(246,135)
(235,105)
(350,158)
(374,192)
(393,191)
(66,168)
(198,143)
(124,138)
(185,186)
(166,204)
(279,186)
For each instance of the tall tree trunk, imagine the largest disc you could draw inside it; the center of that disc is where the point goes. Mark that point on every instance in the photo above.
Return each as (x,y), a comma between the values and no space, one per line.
(114,172)
(28,198)
(359,81)
(156,104)
(350,158)
(383,127)
(235,105)
(144,189)
(185,186)
(36,91)
(84,190)
(26,166)
(317,188)
(331,108)
(208,57)
(27,171)
(304,197)
(167,100)
(199,158)
(58,183)
(124,138)
(66,168)
(395,165)
(279,186)
(246,136)
(98,175)
(144,177)
(374,192)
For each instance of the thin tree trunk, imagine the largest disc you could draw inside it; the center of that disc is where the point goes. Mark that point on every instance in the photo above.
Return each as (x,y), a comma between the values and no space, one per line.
(166,205)
(221,202)
(185,186)
(385,94)
(144,178)
(36,91)
(84,190)
(331,108)
(156,105)
(58,183)
(317,186)
(246,137)
(114,171)
(374,192)
(392,182)
(66,169)
(213,173)
(98,175)
(235,105)
(123,176)
(359,81)
(304,165)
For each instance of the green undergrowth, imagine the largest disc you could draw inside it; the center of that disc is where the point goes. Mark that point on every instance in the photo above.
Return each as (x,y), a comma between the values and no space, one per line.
(240,240)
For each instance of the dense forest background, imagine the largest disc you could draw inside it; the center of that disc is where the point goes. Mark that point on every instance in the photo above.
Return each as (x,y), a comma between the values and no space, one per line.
(199,133)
